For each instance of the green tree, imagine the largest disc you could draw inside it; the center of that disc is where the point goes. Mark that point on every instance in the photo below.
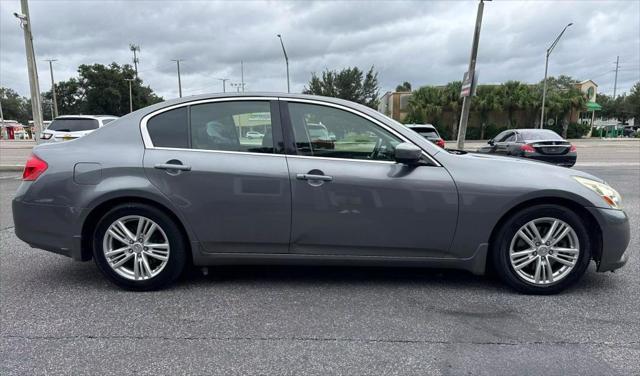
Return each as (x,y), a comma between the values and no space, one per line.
(14,106)
(486,101)
(70,97)
(405,86)
(350,83)
(513,96)
(632,103)
(451,102)
(424,106)
(102,89)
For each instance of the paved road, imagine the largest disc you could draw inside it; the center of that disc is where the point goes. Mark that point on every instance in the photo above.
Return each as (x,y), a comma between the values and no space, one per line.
(61,317)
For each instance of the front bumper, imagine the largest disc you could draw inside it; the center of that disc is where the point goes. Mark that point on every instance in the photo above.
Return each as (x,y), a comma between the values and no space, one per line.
(614,225)
(48,227)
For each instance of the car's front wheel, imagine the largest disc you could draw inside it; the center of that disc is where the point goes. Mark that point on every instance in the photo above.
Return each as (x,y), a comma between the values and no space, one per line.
(542,249)
(139,247)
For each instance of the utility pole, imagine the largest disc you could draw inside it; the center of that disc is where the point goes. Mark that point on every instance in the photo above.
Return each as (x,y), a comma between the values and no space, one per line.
(615,83)
(1,114)
(54,114)
(179,82)
(546,68)
(286,60)
(224,86)
(130,94)
(242,74)
(135,48)
(466,100)
(34,86)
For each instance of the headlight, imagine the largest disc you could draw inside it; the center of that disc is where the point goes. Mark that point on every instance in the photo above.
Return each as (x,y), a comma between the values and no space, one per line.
(608,194)
(45,136)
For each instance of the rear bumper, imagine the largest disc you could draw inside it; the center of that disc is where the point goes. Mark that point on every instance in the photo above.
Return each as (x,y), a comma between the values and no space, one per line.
(614,225)
(47,227)
(560,160)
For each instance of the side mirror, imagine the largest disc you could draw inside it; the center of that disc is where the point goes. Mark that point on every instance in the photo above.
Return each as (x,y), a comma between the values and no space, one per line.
(408,153)
(491,142)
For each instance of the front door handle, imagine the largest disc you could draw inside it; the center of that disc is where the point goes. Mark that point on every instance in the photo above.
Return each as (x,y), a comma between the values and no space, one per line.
(314,177)
(171,166)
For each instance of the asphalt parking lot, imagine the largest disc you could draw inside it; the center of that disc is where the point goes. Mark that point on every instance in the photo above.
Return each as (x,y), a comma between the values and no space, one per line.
(61,317)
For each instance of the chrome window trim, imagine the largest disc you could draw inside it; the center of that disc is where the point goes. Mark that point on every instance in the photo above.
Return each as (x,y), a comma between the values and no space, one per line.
(146,138)
(148,144)
(340,159)
(367,117)
(217,151)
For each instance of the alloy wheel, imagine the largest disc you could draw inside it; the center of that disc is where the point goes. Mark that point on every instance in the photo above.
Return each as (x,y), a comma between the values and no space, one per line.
(136,247)
(544,251)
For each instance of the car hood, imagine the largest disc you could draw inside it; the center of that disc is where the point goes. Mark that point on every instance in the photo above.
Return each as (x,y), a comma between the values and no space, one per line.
(518,179)
(531,164)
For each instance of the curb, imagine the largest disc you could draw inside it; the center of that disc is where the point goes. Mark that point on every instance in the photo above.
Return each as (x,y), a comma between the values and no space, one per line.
(11,167)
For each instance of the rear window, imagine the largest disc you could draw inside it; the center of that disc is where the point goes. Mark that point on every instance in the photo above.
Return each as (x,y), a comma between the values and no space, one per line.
(73,125)
(541,134)
(427,132)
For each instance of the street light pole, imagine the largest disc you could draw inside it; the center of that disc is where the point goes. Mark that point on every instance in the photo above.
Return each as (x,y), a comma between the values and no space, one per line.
(242,74)
(34,86)
(130,94)
(546,69)
(224,86)
(466,100)
(53,89)
(286,60)
(179,81)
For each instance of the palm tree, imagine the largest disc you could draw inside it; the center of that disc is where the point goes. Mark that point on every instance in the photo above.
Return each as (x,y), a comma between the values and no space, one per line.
(452,102)
(424,105)
(513,97)
(485,102)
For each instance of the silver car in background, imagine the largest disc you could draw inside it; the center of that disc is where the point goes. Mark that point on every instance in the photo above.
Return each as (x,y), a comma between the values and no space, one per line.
(70,127)
(175,183)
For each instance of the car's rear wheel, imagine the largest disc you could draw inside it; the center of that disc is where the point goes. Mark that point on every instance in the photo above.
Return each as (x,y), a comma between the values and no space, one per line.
(139,247)
(542,249)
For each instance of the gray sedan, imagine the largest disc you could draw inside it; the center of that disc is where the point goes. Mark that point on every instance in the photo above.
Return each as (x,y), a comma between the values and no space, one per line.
(175,184)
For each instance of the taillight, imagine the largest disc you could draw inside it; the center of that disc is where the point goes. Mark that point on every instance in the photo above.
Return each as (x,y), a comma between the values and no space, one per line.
(33,168)
(527,148)
(573,148)
(440,143)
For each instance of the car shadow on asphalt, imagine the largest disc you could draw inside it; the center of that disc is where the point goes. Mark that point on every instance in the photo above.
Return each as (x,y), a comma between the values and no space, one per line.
(87,276)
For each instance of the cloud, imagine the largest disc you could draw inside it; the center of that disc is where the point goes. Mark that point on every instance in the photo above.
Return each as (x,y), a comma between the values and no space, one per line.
(420,42)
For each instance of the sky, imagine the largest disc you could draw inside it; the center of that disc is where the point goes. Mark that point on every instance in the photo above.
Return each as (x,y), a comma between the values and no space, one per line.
(424,43)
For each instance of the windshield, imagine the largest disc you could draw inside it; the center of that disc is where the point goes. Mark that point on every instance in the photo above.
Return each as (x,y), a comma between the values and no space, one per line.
(541,134)
(73,124)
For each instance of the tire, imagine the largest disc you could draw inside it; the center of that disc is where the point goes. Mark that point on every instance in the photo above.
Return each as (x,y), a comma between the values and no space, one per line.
(160,251)
(530,278)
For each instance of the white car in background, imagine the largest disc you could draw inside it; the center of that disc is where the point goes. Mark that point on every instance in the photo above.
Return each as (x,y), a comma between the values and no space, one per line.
(70,127)
(254,135)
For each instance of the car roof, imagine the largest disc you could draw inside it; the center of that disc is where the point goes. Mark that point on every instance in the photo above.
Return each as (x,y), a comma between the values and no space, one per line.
(86,117)
(412,126)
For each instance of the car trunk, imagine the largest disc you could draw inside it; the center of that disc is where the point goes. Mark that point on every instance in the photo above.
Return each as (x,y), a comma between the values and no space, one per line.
(551,147)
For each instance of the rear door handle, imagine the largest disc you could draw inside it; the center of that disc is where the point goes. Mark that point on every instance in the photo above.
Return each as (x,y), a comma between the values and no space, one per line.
(171,166)
(314,177)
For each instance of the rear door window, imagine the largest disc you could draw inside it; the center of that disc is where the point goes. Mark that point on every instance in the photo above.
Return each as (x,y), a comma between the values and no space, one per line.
(243,126)
(73,125)
(170,129)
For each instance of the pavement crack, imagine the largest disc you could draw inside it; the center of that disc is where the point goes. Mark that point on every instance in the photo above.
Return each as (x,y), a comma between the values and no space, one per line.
(329,339)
